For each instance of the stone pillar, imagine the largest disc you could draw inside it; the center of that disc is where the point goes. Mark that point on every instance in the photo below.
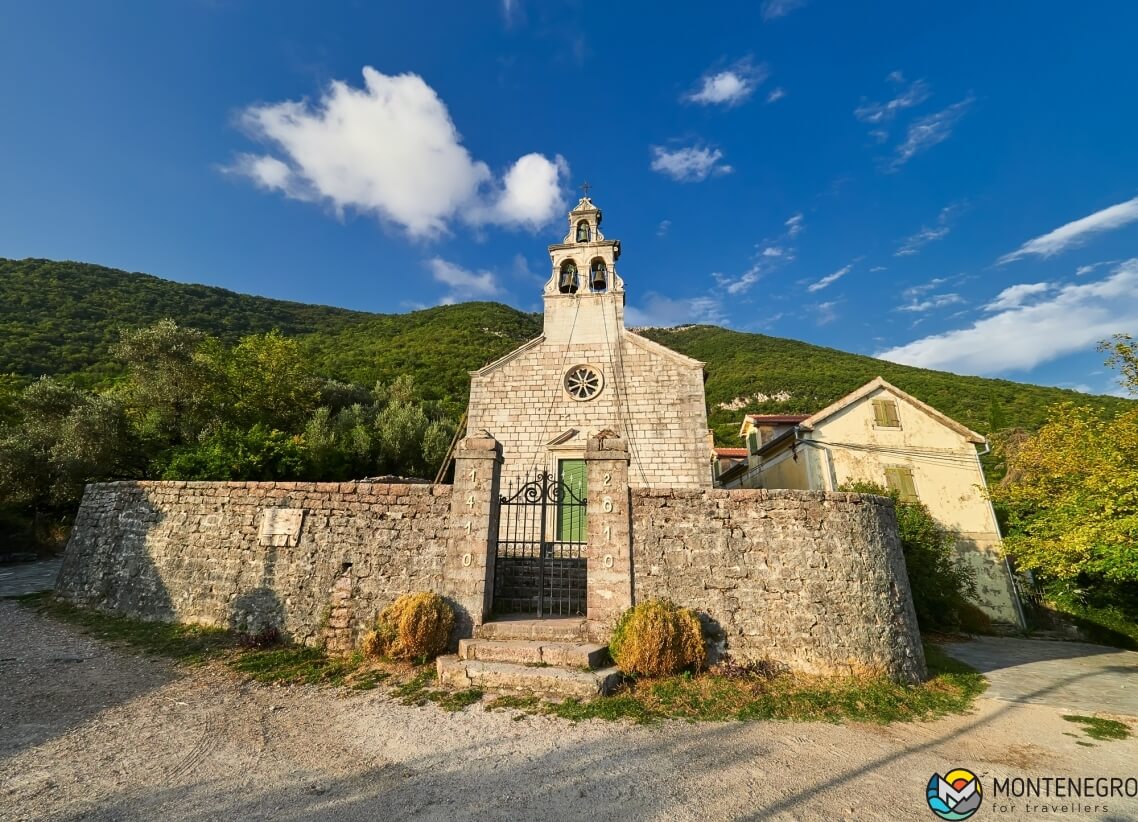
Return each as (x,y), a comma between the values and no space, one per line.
(468,572)
(610,536)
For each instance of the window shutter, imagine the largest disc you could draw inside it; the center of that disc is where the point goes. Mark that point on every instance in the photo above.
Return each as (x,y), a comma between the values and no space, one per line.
(901,480)
(885,414)
(753,441)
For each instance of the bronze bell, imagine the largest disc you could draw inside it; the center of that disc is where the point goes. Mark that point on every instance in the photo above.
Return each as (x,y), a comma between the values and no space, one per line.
(567,284)
(582,232)
(600,277)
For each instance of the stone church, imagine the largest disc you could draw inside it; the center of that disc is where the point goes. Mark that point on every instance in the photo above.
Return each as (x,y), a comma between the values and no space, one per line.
(587,373)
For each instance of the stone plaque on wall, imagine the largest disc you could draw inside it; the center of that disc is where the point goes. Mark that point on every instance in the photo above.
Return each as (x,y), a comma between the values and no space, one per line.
(280,527)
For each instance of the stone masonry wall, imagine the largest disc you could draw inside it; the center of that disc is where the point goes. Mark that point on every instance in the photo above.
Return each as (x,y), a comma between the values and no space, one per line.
(653,399)
(812,579)
(250,554)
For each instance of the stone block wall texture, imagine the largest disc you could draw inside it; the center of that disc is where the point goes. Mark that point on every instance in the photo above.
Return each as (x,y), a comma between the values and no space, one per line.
(652,397)
(206,552)
(812,579)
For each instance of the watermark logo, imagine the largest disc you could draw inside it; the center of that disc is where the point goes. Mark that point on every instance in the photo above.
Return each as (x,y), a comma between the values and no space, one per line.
(956,795)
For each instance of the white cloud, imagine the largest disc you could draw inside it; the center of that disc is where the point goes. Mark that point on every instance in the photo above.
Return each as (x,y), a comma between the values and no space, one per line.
(935,301)
(662,229)
(463,283)
(877,268)
(916,290)
(740,285)
(1014,296)
(1076,233)
(1083,270)
(776,94)
(826,313)
(659,311)
(729,87)
(928,234)
(391,150)
(878,113)
(1071,319)
(773,9)
(928,131)
(795,225)
(774,251)
(829,279)
(689,165)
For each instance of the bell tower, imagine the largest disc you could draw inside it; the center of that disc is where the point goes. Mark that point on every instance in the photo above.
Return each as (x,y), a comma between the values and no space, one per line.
(584,296)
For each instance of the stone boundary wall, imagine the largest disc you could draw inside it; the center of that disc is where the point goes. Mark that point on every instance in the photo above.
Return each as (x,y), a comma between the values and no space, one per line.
(246,555)
(812,579)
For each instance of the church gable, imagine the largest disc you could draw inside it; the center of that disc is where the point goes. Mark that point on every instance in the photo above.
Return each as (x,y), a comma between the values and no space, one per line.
(588,373)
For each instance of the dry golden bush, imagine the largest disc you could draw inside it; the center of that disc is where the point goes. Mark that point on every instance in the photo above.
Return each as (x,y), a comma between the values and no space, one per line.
(416,626)
(658,638)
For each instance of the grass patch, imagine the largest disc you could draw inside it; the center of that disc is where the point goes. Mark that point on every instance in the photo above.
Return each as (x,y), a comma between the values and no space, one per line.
(1099,728)
(512,701)
(188,644)
(280,664)
(416,691)
(740,693)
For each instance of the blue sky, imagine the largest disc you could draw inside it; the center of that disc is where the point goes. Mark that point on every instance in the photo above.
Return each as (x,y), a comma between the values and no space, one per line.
(950,185)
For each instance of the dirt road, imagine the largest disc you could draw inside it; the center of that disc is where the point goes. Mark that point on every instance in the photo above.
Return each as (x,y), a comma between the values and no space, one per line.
(88,732)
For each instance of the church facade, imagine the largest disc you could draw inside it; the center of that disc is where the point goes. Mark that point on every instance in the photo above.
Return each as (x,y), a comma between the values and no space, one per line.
(587,373)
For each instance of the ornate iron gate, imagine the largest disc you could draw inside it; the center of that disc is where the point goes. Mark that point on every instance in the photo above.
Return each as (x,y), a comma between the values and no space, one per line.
(539,564)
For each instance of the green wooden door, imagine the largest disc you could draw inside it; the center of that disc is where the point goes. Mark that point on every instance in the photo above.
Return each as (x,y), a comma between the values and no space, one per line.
(571,509)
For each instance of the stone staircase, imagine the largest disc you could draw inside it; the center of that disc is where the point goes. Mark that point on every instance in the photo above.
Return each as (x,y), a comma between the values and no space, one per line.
(542,656)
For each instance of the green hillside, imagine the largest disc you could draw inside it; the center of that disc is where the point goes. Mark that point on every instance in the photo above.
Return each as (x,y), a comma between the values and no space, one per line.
(741,366)
(61,317)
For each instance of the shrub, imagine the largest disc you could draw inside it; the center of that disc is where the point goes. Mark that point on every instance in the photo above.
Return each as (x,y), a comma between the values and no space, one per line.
(658,638)
(415,626)
(973,620)
(940,583)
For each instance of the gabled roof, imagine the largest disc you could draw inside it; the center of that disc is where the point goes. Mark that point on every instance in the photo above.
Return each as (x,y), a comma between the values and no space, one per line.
(656,348)
(731,453)
(770,419)
(879,383)
(498,363)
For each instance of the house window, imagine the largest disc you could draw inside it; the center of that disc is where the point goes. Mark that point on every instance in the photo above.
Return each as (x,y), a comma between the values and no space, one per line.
(900,479)
(885,414)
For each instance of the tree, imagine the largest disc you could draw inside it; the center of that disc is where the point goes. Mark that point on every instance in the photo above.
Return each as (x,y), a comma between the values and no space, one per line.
(66,437)
(1123,351)
(1071,493)
(941,585)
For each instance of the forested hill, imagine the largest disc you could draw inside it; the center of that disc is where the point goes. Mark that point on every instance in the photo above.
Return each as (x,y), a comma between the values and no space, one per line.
(62,317)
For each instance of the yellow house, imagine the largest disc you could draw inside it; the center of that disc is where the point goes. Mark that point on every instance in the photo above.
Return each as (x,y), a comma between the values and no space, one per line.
(881,434)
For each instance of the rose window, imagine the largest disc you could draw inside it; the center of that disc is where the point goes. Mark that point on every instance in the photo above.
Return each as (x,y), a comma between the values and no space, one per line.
(583,382)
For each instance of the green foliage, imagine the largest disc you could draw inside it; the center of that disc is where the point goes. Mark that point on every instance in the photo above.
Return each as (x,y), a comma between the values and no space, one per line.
(1071,494)
(64,437)
(658,638)
(63,318)
(232,454)
(1122,355)
(941,584)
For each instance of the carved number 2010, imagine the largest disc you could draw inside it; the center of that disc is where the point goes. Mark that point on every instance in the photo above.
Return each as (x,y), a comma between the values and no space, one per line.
(606,504)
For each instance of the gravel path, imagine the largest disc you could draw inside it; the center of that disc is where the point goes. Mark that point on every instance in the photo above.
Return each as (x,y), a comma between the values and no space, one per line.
(87,732)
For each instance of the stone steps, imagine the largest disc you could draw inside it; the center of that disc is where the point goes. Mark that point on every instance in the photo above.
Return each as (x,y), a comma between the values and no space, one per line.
(571,629)
(510,676)
(539,656)
(534,652)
